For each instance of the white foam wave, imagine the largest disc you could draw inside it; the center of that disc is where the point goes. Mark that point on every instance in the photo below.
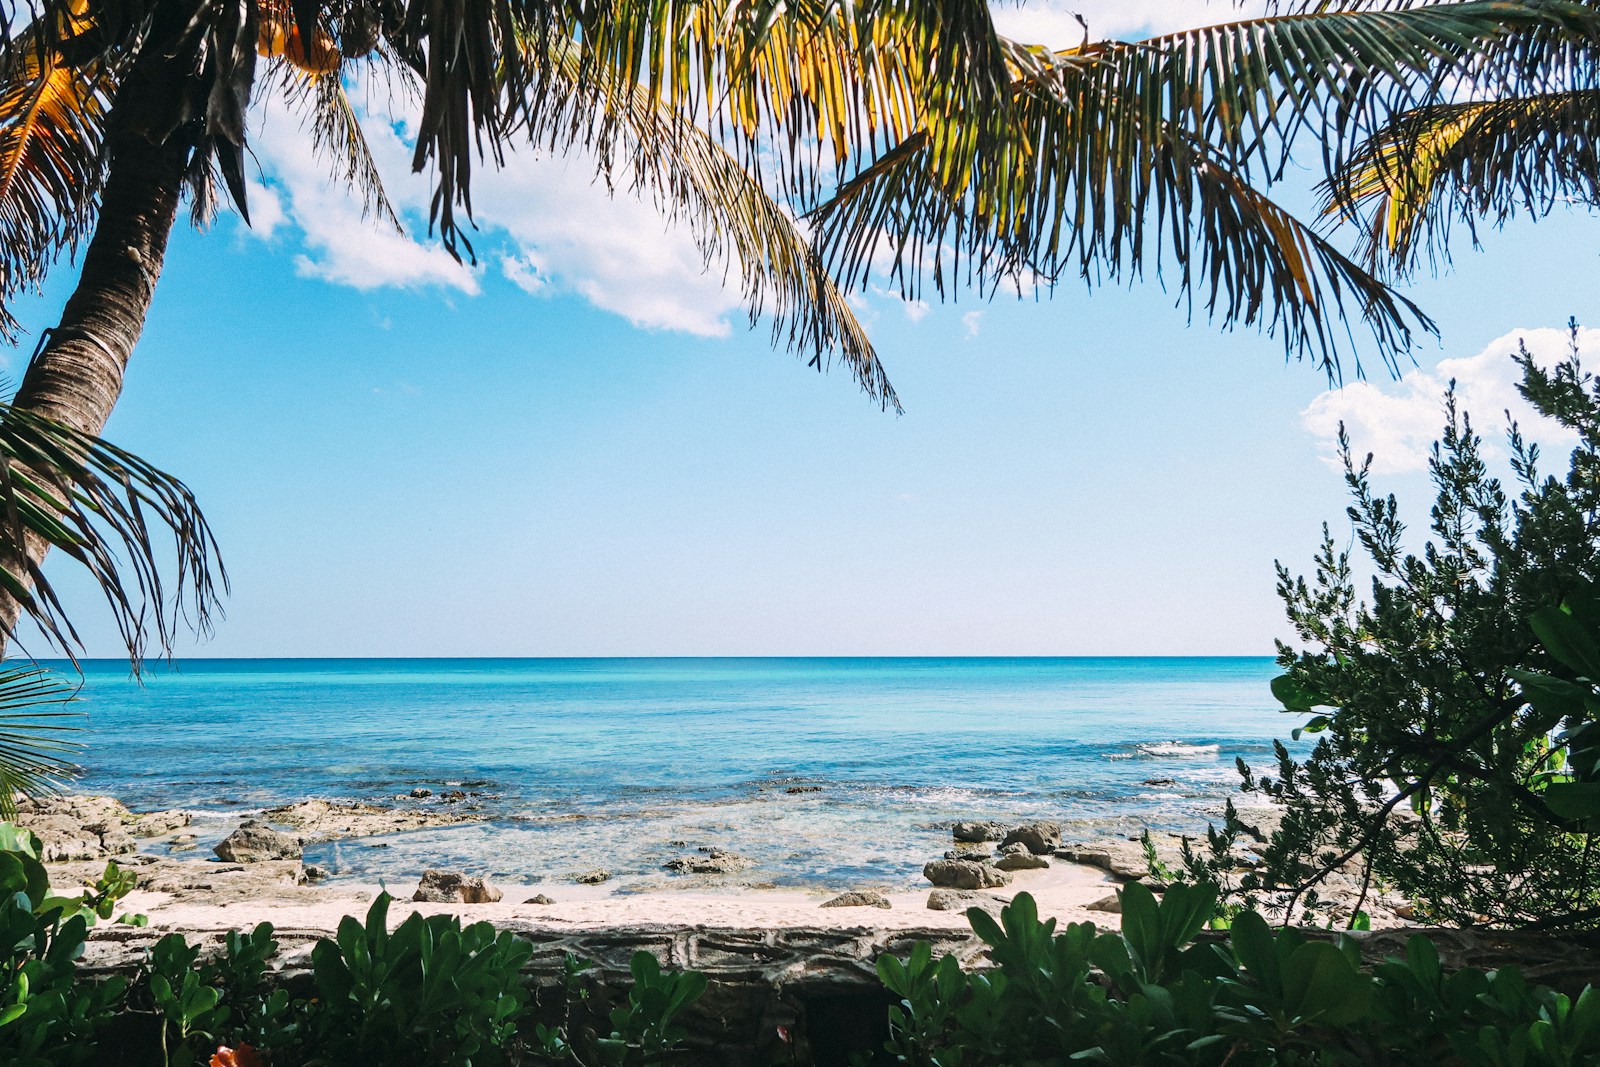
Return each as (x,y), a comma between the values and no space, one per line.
(1178,750)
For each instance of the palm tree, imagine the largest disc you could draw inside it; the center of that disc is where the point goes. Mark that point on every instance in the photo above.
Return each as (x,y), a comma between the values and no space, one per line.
(901,132)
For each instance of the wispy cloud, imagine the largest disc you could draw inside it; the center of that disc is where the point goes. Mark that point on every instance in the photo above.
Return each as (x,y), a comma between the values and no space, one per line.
(1399,421)
(543,221)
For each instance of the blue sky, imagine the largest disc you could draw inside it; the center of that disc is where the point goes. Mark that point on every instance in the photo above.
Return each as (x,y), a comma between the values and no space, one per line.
(400,459)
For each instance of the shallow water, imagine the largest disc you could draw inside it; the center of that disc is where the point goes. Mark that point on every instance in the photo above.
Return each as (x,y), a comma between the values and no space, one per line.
(624,763)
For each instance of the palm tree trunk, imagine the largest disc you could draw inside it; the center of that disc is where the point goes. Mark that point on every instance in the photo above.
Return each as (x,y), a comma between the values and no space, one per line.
(76,378)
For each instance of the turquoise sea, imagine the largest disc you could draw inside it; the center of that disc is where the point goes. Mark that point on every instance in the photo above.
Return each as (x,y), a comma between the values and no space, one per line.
(622,763)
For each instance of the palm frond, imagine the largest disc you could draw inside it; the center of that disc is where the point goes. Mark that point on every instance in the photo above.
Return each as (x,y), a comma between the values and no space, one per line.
(1076,174)
(336,135)
(1482,160)
(52,127)
(638,140)
(101,506)
(36,746)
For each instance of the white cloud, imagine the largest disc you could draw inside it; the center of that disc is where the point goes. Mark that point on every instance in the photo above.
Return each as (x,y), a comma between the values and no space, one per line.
(1399,421)
(973,321)
(1052,22)
(340,245)
(544,221)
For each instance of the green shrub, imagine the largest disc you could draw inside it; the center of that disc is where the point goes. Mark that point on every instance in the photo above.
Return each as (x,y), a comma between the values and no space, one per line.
(1264,997)
(1432,770)
(48,1014)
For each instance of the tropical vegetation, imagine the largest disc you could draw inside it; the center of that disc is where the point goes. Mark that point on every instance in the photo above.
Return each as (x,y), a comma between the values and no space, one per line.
(432,992)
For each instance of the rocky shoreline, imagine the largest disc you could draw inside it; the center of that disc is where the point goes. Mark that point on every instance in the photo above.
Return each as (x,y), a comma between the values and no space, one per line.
(261,857)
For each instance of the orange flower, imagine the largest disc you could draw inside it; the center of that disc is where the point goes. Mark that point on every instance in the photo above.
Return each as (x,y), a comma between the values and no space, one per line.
(243,1056)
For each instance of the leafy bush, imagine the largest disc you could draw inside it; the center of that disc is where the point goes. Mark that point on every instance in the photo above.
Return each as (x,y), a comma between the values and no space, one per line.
(1264,997)
(47,1014)
(430,992)
(1433,770)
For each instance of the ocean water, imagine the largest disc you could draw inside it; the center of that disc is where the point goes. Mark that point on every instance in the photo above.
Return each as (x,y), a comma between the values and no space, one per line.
(825,772)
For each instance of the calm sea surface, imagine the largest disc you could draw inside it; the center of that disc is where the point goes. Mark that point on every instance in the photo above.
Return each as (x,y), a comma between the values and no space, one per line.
(624,763)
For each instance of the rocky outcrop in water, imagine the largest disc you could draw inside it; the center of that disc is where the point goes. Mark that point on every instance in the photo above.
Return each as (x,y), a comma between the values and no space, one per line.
(710,861)
(453,887)
(1040,838)
(979,831)
(594,877)
(255,842)
(330,820)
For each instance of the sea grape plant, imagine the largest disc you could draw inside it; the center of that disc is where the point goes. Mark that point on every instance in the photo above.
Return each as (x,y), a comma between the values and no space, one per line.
(1263,996)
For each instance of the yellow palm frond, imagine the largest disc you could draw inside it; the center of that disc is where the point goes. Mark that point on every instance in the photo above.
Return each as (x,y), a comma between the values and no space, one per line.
(52,119)
(1471,161)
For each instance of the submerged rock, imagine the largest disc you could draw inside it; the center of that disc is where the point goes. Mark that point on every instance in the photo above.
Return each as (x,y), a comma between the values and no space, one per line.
(979,831)
(255,842)
(453,887)
(1040,838)
(862,899)
(964,874)
(956,900)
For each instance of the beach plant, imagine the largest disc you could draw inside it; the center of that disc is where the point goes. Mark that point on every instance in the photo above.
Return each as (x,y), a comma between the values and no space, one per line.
(1260,996)
(1455,754)
(431,992)
(806,146)
(48,1013)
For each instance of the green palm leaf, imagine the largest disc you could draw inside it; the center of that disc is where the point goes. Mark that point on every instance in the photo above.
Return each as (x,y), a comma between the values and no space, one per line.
(101,507)
(36,746)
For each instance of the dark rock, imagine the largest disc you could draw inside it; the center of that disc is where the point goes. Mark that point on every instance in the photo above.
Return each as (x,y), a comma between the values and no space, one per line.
(1041,838)
(956,900)
(964,874)
(866,899)
(804,789)
(594,877)
(1021,861)
(1160,781)
(255,842)
(979,853)
(714,861)
(450,796)
(453,887)
(979,831)
(540,899)
(315,873)
(419,792)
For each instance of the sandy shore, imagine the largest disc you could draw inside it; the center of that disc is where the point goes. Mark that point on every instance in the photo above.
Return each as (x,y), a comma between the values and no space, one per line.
(1063,891)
